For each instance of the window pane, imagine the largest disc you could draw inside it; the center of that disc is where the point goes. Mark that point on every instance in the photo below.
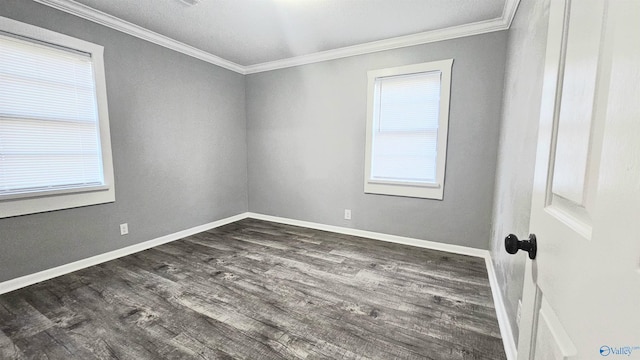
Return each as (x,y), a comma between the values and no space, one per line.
(406,128)
(409,102)
(404,156)
(41,82)
(49,134)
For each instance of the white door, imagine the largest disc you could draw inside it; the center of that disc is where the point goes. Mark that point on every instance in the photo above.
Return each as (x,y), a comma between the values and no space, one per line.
(581,297)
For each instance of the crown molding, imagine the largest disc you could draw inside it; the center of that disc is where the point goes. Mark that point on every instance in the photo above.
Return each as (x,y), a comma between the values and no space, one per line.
(509,11)
(382,45)
(454,32)
(99,17)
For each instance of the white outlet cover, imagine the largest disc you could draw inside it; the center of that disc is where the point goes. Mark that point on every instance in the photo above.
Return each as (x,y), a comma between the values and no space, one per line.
(124,229)
(347,214)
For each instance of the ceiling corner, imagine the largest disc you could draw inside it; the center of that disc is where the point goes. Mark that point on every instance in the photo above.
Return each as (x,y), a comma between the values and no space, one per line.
(509,12)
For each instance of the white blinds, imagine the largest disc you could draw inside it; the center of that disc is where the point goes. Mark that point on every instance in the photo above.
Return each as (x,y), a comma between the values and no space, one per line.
(405,127)
(49,133)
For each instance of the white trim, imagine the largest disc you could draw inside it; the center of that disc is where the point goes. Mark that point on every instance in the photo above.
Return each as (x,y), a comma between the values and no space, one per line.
(456,249)
(509,11)
(482,27)
(23,281)
(99,17)
(506,332)
(410,189)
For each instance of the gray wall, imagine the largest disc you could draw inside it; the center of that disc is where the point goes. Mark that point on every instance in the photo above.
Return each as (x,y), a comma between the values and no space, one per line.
(180,140)
(306,143)
(518,136)
(178,133)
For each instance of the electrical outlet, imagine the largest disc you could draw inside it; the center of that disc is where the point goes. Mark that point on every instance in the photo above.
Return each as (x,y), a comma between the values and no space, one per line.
(347,214)
(519,313)
(124,229)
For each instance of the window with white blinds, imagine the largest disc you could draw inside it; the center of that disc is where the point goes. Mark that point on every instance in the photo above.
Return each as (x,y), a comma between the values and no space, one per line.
(52,122)
(406,130)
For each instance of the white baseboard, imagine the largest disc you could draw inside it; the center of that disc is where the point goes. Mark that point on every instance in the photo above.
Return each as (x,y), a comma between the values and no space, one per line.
(456,249)
(30,279)
(503,321)
(506,332)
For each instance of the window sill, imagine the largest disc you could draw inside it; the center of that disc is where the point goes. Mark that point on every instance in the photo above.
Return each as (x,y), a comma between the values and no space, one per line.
(39,204)
(414,190)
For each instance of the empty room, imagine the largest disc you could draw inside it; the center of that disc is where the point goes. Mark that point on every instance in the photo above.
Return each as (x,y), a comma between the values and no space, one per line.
(319,179)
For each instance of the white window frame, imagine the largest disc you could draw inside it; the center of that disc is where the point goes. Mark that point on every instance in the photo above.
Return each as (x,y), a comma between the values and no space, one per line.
(65,199)
(431,190)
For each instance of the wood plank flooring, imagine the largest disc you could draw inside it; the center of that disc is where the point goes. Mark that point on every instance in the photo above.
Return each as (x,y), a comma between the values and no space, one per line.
(260,290)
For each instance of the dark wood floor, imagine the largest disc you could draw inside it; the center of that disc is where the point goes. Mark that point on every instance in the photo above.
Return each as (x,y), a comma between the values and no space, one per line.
(259,290)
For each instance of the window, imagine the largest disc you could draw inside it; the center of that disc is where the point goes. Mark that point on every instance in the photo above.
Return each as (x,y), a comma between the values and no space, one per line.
(407,119)
(55,150)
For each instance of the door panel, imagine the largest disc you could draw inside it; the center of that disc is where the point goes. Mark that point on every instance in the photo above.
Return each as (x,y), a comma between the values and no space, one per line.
(581,50)
(574,148)
(581,294)
(553,342)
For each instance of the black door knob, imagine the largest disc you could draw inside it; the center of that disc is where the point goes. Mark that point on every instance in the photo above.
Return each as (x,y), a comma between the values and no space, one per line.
(512,245)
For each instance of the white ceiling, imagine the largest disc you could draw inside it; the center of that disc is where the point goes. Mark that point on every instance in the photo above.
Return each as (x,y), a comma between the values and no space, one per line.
(250,33)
